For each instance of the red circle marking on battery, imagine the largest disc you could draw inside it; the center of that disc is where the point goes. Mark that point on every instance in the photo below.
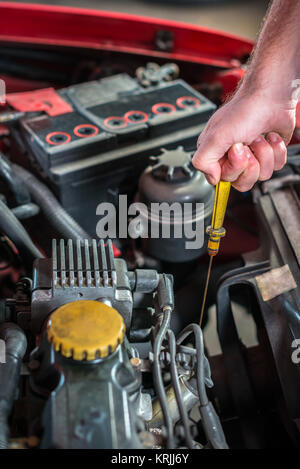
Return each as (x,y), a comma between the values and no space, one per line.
(121,119)
(187,98)
(86,126)
(155,108)
(131,113)
(52,134)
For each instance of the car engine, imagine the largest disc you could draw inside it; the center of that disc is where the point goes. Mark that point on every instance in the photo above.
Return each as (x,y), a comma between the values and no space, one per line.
(100,343)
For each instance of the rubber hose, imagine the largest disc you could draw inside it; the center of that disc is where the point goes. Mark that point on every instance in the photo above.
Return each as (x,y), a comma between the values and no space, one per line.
(15,345)
(10,225)
(55,213)
(22,212)
(17,187)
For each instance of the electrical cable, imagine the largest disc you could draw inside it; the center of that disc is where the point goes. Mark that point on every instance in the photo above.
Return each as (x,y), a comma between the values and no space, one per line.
(200,374)
(210,420)
(158,379)
(177,389)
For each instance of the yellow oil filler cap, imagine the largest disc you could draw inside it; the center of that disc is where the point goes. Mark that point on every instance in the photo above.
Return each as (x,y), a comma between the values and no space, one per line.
(85,330)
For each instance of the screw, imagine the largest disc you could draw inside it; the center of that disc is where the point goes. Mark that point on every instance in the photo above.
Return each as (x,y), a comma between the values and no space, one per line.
(136,363)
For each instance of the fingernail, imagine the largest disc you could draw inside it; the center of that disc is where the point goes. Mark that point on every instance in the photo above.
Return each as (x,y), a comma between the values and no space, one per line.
(210,180)
(238,148)
(258,139)
(273,137)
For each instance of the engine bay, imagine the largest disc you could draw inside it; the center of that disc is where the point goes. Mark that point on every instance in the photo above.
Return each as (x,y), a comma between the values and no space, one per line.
(100,321)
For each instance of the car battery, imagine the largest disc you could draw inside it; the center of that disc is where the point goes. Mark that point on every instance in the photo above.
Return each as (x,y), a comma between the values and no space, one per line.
(97,149)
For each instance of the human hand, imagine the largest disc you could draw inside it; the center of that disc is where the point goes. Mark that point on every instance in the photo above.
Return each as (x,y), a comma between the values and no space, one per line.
(245,140)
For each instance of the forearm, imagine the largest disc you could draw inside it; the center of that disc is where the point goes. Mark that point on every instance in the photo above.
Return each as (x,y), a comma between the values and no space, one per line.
(275,62)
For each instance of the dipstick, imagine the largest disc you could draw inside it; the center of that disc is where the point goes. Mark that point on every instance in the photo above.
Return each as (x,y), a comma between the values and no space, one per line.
(206,288)
(216,231)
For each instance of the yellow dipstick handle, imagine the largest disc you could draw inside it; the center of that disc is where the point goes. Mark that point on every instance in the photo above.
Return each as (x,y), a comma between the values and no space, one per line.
(216,230)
